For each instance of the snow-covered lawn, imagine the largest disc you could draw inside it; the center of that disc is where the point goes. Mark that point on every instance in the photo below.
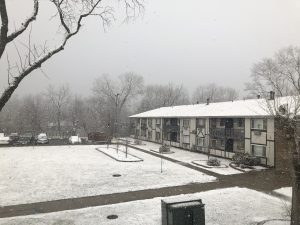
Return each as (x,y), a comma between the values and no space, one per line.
(234,206)
(56,172)
(188,157)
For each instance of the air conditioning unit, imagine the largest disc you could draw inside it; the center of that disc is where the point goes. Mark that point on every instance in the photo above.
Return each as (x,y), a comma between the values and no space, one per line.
(182,212)
(257,133)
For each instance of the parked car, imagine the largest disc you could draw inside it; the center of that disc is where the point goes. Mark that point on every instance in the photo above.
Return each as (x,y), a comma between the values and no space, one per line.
(14,137)
(75,140)
(4,140)
(25,140)
(98,137)
(42,139)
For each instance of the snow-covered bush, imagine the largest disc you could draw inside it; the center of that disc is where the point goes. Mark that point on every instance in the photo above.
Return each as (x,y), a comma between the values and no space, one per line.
(245,159)
(213,162)
(137,142)
(164,148)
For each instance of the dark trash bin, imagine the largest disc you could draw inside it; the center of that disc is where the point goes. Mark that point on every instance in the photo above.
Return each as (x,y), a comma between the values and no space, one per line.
(182,212)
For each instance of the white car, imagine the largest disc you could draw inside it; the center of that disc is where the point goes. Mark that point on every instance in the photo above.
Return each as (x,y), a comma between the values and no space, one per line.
(42,139)
(4,140)
(75,140)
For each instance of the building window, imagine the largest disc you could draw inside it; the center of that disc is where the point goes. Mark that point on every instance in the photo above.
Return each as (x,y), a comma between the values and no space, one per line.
(260,124)
(200,122)
(200,141)
(143,133)
(213,143)
(222,142)
(241,145)
(150,123)
(222,122)
(157,121)
(186,139)
(258,150)
(149,134)
(213,123)
(174,121)
(157,136)
(240,122)
(174,136)
(186,123)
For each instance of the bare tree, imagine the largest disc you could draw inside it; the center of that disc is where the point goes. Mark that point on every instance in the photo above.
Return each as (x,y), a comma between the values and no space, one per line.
(79,114)
(32,114)
(214,93)
(156,96)
(70,14)
(58,99)
(281,74)
(9,116)
(113,95)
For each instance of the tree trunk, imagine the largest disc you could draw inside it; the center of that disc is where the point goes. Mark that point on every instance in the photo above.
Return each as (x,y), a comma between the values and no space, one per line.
(4,27)
(295,217)
(58,124)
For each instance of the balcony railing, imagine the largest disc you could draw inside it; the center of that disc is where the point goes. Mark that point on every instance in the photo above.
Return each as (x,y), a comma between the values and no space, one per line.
(227,133)
(172,128)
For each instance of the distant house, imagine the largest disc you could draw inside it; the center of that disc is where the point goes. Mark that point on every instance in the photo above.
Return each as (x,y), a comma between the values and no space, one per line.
(225,128)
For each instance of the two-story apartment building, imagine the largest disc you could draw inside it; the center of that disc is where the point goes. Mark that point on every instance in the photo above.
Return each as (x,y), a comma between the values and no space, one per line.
(221,129)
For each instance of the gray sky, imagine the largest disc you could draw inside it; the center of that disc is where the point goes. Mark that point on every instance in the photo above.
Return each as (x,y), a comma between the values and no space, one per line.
(188,42)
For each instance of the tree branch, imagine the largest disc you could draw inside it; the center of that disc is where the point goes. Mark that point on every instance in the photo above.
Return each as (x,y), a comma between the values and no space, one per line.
(26,23)
(36,65)
(4,27)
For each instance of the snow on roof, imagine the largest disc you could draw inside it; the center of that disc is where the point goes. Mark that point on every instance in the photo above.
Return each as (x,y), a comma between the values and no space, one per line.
(239,108)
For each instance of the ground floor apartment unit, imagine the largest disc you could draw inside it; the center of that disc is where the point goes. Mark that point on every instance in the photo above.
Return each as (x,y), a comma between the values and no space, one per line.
(220,129)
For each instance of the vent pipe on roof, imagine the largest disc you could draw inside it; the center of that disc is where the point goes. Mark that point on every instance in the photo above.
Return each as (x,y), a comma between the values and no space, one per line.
(207,101)
(272,95)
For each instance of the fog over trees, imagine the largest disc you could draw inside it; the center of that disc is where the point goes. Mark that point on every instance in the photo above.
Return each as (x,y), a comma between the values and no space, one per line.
(156,96)
(59,111)
(214,93)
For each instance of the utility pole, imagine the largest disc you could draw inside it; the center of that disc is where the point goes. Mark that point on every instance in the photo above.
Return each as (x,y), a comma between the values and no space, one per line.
(116,115)
(116,121)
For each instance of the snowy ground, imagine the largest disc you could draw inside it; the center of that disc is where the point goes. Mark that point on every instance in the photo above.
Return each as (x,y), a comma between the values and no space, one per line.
(234,206)
(286,191)
(56,172)
(188,157)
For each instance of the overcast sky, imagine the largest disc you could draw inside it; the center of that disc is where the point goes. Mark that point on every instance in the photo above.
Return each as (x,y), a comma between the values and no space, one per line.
(189,42)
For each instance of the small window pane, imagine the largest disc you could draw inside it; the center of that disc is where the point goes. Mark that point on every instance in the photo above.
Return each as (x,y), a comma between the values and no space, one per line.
(186,139)
(259,124)
(186,123)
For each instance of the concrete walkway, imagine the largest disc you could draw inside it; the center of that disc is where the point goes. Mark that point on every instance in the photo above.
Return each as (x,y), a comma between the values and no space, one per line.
(264,181)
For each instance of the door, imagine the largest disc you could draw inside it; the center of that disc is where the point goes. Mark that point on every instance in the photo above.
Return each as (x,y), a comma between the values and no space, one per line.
(229,145)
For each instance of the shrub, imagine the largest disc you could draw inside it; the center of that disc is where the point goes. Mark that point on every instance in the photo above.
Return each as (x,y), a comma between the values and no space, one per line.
(164,148)
(137,142)
(213,162)
(245,159)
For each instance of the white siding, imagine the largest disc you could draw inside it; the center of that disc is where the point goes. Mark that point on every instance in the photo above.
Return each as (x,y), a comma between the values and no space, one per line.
(192,132)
